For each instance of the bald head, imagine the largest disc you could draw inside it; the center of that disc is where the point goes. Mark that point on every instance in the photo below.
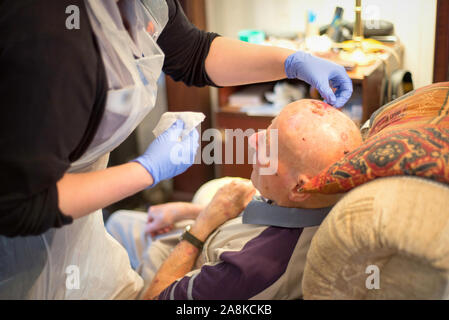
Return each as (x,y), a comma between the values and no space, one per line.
(313,135)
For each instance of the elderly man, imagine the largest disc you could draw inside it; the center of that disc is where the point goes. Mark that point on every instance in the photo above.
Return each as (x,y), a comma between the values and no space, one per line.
(257,254)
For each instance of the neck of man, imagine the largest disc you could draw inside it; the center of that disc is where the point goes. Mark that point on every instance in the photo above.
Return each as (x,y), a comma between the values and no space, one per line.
(315,201)
(320,201)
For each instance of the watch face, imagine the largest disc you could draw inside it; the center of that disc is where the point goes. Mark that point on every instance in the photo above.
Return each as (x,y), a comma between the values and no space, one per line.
(186,229)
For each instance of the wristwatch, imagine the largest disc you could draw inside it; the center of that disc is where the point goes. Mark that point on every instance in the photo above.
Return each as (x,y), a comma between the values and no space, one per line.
(187,236)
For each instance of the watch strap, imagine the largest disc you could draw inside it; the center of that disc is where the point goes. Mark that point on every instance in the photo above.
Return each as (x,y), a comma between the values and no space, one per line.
(192,239)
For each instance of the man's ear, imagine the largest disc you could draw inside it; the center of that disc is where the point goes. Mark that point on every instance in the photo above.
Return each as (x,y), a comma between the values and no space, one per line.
(294,194)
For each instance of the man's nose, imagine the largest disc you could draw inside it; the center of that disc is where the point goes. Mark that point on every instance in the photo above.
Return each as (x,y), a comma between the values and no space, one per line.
(252,141)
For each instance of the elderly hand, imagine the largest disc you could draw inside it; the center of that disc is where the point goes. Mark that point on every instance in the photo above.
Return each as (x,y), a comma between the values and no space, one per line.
(229,201)
(321,74)
(161,218)
(167,156)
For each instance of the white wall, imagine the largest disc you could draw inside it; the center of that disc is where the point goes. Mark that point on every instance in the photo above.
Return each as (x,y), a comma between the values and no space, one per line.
(414,22)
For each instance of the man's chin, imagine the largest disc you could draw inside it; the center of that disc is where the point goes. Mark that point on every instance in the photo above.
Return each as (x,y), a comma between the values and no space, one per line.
(254,178)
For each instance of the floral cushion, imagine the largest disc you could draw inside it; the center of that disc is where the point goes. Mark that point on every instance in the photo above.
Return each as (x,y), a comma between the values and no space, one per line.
(409,136)
(424,106)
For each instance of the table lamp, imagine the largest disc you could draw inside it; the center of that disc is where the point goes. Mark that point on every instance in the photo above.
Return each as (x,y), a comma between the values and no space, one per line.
(359,49)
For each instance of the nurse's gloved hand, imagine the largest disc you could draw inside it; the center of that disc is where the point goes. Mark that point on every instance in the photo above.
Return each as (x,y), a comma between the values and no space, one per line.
(321,74)
(168,156)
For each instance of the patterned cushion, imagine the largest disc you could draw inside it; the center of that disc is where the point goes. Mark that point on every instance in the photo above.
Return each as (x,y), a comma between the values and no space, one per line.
(409,136)
(428,105)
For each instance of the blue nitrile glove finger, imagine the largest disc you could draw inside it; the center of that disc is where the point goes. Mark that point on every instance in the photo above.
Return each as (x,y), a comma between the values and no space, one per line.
(167,156)
(321,74)
(344,89)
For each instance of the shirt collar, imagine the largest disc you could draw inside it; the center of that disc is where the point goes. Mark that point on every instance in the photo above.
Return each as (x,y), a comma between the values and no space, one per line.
(264,212)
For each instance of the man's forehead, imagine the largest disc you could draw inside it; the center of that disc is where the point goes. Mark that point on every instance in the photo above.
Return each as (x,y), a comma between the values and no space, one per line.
(303,111)
(273,123)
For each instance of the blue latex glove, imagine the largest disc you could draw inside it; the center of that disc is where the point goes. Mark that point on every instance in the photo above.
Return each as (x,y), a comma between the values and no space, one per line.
(321,74)
(167,156)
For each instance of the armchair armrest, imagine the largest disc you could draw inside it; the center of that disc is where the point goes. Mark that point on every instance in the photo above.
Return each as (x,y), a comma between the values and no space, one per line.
(387,239)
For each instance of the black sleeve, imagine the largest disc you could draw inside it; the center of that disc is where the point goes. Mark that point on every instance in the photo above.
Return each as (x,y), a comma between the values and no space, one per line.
(185,48)
(49,89)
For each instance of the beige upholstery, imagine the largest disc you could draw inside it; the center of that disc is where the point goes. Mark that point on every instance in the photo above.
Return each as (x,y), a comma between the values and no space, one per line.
(400,225)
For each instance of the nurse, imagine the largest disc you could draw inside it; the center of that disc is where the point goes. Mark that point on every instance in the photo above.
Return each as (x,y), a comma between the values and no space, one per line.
(70,96)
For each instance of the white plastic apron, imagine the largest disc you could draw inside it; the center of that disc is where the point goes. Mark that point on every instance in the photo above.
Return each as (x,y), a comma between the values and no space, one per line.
(81,260)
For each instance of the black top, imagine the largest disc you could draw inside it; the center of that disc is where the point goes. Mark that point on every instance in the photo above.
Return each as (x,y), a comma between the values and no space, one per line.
(52,95)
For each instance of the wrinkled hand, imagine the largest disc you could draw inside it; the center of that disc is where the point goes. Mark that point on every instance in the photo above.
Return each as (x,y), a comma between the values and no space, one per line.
(229,201)
(167,156)
(321,74)
(162,217)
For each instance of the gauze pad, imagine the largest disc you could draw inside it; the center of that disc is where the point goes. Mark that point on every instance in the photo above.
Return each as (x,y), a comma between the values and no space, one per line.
(191,120)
